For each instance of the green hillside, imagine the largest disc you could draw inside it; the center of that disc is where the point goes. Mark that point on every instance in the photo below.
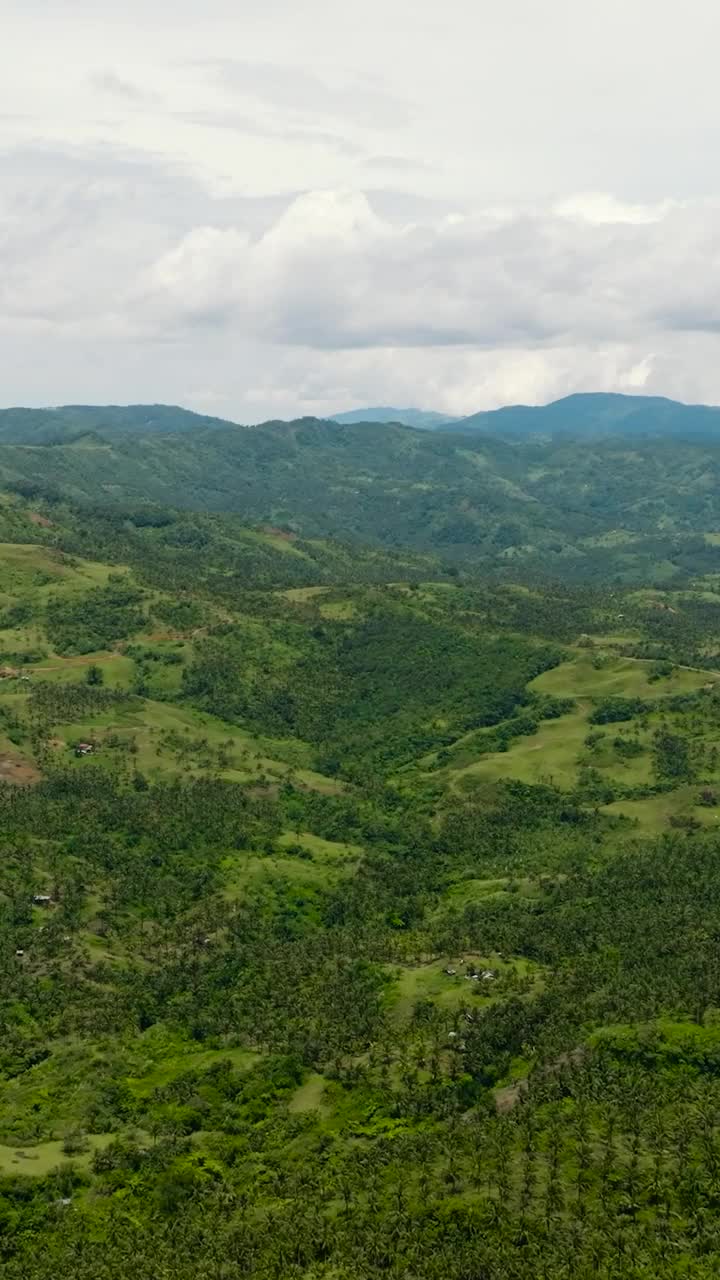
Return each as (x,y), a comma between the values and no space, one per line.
(621,508)
(424,419)
(71,421)
(358,916)
(597,414)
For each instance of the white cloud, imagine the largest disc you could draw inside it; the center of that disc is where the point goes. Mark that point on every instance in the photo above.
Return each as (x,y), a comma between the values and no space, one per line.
(600,207)
(313,301)
(331,274)
(185,209)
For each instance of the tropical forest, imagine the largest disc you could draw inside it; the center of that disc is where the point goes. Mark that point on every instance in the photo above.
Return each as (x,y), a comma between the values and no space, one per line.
(360,847)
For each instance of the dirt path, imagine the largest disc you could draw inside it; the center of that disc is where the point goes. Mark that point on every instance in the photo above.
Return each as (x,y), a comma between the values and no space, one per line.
(81,661)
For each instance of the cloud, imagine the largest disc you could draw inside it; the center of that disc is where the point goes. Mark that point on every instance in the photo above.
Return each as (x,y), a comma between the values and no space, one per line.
(399,164)
(131,278)
(239,122)
(331,274)
(295,89)
(110,83)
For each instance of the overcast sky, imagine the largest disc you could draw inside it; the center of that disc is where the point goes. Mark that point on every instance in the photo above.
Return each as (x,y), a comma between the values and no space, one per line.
(266,208)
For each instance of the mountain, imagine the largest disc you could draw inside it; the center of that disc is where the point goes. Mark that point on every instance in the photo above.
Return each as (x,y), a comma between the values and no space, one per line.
(629,506)
(70,421)
(424,419)
(596,414)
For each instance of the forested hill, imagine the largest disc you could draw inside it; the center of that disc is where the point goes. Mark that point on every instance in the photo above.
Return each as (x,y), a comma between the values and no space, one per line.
(358,919)
(583,416)
(422,418)
(72,421)
(596,415)
(619,507)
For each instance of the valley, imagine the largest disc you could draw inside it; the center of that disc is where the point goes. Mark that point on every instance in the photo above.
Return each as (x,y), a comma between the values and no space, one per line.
(353,905)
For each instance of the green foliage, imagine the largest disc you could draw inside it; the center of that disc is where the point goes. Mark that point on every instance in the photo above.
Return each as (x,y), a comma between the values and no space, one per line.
(406,1012)
(538,506)
(612,710)
(672,755)
(95,621)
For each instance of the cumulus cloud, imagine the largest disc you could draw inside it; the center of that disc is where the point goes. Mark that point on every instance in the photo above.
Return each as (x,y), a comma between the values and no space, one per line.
(312,301)
(331,274)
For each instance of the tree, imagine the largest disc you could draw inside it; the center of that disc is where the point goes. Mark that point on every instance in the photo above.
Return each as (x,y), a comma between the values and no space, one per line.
(94,675)
(671,755)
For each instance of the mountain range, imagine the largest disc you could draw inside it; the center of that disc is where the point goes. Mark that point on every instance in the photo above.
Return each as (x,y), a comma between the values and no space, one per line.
(592,414)
(423,419)
(590,487)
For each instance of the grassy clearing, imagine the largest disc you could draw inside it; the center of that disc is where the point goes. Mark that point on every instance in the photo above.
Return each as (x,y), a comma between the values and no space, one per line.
(449,991)
(581,678)
(339,610)
(249,758)
(118,671)
(653,813)
(310,1095)
(172,1067)
(550,755)
(556,751)
(276,539)
(36,572)
(331,852)
(328,863)
(474,889)
(38,1161)
(300,594)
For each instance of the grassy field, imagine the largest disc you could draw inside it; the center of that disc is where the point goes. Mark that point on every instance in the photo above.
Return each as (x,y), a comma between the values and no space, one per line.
(451,990)
(318,864)
(558,750)
(163,739)
(38,1161)
(580,677)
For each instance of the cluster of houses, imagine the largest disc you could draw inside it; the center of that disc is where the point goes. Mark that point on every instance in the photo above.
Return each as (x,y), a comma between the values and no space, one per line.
(473,974)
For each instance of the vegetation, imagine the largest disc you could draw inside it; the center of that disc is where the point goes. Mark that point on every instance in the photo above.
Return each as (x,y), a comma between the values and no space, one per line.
(359,916)
(604,489)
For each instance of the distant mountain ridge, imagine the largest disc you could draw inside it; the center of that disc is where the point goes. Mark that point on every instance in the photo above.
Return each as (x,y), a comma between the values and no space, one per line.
(585,414)
(424,419)
(595,414)
(590,415)
(72,421)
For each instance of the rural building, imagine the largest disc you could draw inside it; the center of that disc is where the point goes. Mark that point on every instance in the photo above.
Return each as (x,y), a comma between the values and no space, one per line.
(84,749)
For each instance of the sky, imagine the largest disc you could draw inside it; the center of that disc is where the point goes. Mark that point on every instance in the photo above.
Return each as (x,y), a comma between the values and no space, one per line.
(259,208)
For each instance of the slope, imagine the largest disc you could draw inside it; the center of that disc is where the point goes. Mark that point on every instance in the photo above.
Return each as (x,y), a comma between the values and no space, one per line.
(597,414)
(424,419)
(303,968)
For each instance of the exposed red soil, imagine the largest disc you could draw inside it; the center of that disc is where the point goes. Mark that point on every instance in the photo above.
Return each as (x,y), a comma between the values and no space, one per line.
(285,534)
(19,771)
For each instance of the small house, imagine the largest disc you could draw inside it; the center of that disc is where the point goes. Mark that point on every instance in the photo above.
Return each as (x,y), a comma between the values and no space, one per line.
(42,899)
(84,749)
